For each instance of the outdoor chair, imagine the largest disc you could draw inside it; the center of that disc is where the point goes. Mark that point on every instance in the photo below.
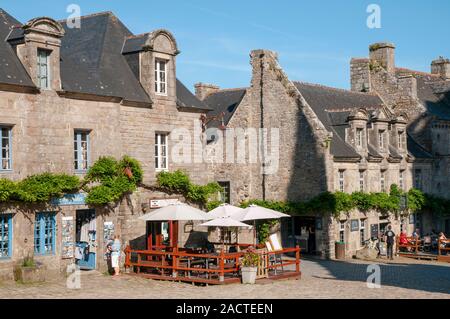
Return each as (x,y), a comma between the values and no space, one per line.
(427,244)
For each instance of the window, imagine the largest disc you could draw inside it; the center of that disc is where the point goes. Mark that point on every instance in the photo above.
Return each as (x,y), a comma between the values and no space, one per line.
(383,181)
(359,137)
(341,180)
(224,195)
(43,69)
(5,236)
(45,233)
(6,148)
(81,150)
(381,139)
(361,181)
(362,231)
(342,231)
(161,160)
(418,179)
(160,77)
(401,180)
(401,140)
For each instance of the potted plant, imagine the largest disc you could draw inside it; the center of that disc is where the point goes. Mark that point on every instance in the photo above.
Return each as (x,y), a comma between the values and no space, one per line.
(29,271)
(249,267)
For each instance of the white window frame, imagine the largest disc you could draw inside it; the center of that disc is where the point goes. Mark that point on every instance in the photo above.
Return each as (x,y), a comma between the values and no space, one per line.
(401,179)
(362,181)
(341,180)
(359,137)
(381,139)
(78,158)
(383,181)
(362,231)
(342,231)
(7,149)
(40,65)
(160,84)
(159,157)
(401,140)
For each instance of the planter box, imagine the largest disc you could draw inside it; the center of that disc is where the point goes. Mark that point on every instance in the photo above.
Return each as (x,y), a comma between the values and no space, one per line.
(249,275)
(30,274)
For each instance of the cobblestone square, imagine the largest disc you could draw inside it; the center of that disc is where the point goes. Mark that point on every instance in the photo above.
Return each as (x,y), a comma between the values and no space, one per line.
(320,279)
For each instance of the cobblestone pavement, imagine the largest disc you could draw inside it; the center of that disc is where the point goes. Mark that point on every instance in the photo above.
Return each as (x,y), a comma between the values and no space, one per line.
(320,279)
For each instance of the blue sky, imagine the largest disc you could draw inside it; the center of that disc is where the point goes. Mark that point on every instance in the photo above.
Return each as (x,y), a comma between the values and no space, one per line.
(315,39)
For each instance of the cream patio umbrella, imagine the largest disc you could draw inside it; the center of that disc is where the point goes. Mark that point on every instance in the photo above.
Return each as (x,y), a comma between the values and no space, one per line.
(224,210)
(254,212)
(176,212)
(225,223)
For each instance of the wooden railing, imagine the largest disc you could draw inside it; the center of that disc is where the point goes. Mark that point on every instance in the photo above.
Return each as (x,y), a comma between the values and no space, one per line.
(199,267)
(444,245)
(412,245)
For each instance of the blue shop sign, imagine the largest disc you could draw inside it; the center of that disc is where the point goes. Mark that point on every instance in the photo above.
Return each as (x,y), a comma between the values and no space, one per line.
(70,199)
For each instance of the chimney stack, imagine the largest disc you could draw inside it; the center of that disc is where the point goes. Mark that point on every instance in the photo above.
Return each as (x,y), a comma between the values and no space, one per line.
(384,54)
(441,67)
(202,90)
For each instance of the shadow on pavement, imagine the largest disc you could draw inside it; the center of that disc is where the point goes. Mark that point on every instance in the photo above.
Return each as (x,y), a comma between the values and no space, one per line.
(431,278)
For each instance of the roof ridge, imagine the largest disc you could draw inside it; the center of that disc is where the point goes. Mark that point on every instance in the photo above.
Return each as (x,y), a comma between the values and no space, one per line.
(335,89)
(417,72)
(231,89)
(109,13)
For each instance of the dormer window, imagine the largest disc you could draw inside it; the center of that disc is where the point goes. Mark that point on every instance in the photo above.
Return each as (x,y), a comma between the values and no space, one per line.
(43,69)
(359,137)
(161,77)
(381,139)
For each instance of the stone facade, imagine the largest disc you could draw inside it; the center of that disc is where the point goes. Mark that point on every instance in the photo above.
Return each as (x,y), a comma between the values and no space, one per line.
(42,126)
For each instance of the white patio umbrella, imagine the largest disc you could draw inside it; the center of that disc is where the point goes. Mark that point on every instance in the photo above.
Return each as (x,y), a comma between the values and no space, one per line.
(176,212)
(255,212)
(224,210)
(225,223)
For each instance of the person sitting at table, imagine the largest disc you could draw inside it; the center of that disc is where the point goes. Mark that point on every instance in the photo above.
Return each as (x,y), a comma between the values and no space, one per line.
(416,234)
(403,240)
(444,242)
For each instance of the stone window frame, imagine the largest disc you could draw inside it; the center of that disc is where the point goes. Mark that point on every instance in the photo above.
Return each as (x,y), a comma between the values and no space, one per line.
(6,148)
(362,230)
(158,82)
(158,152)
(6,229)
(39,69)
(45,233)
(78,149)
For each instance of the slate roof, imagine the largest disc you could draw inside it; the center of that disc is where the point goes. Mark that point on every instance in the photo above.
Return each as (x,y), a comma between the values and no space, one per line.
(333,106)
(225,101)
(12,70)
(91,60)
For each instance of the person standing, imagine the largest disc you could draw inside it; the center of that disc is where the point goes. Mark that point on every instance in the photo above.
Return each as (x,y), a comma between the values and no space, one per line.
(390,240)
(115,254)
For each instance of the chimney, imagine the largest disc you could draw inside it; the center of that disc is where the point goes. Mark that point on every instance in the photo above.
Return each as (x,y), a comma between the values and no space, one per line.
(202,90)
(441,67)
(384,54)
(360,75)
(408,85)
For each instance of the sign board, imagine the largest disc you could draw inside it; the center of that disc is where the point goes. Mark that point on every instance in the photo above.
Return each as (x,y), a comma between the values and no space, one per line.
(374,231)
(68,242)
(354,225)
(158,203)
(70,199)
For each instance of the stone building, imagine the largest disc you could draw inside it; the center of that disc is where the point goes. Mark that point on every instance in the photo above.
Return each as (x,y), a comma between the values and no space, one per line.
(67,97)
(329,140)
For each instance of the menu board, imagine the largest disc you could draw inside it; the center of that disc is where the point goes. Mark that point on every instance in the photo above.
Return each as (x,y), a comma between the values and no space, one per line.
(108,233)
(68,242)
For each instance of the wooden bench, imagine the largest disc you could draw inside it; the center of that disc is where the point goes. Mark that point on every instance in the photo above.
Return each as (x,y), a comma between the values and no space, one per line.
(442,257)
(412,246)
